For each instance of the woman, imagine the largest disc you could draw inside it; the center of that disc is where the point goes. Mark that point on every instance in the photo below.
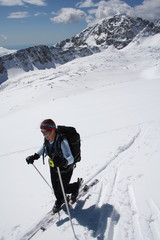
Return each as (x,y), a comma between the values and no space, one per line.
(60,156)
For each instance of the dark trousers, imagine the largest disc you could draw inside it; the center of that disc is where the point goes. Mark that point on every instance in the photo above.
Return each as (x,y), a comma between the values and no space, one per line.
(69,188)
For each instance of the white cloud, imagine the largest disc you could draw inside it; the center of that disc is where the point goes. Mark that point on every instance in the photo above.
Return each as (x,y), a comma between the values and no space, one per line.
(11,2)
(22,2)
(36,2)
(18,15)
(40,14)
(149,9)
(105,9)
(110,8)
(85,4)
(69,15)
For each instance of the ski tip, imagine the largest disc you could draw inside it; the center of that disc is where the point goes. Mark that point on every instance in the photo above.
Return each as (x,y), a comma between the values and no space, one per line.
(85,188)
(43,229)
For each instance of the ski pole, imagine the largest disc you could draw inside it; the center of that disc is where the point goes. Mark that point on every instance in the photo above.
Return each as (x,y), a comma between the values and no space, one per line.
(42,177)
(65,199)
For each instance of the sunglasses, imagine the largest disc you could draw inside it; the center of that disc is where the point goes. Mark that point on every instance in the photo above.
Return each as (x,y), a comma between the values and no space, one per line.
(45,132)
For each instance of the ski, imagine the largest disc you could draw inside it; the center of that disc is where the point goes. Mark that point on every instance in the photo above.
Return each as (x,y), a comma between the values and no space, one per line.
(84,190)
(51,217)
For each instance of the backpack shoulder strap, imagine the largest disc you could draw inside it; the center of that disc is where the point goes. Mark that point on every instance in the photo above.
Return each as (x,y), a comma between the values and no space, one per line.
(44,146)
(56,146)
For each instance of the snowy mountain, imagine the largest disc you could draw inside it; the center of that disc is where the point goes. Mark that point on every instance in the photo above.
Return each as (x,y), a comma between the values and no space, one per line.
(117,31)
(38,57)
(5,51)
(113,100)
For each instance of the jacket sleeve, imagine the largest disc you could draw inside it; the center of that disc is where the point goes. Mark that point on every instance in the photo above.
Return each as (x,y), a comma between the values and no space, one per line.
(40,151)
(66,151)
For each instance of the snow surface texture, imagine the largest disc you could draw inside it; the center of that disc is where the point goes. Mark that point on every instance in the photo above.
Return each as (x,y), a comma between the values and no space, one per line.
(113,99)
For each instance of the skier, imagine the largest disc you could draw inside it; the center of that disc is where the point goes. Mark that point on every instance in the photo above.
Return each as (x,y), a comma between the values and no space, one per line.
(62,158)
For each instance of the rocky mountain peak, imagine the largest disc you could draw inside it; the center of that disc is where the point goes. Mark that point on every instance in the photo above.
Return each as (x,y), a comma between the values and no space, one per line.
(118,31)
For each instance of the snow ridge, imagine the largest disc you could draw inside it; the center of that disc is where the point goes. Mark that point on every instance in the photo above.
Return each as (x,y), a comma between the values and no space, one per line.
(119,151)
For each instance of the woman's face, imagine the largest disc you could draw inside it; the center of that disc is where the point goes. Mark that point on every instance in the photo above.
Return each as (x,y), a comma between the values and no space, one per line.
(49,134)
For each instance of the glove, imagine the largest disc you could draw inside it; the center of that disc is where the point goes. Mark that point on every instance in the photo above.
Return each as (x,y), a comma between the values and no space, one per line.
(59,161)
(30,159)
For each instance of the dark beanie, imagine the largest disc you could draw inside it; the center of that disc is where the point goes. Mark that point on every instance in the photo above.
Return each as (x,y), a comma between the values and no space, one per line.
(48,124)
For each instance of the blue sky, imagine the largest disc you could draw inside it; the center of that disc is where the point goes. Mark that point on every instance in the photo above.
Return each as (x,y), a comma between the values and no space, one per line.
(25,23)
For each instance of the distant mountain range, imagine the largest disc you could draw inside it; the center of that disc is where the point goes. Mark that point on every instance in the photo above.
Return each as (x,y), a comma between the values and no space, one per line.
(118,31)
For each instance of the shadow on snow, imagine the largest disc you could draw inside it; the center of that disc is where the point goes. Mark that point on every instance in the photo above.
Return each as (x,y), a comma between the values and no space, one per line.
(95,219)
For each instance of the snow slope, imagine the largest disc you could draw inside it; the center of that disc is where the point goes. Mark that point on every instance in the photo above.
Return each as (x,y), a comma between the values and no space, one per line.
(5,51)
(113,100)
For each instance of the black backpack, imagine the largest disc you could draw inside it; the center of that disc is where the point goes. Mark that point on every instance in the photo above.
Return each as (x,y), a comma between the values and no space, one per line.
(73,138)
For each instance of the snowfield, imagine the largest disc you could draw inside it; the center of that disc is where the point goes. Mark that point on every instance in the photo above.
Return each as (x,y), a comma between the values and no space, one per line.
(113,100)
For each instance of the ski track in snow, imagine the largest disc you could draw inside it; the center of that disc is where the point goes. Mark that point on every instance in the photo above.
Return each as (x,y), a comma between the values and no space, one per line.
(126,203)
(109,217)
(120,150)
(154,221)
